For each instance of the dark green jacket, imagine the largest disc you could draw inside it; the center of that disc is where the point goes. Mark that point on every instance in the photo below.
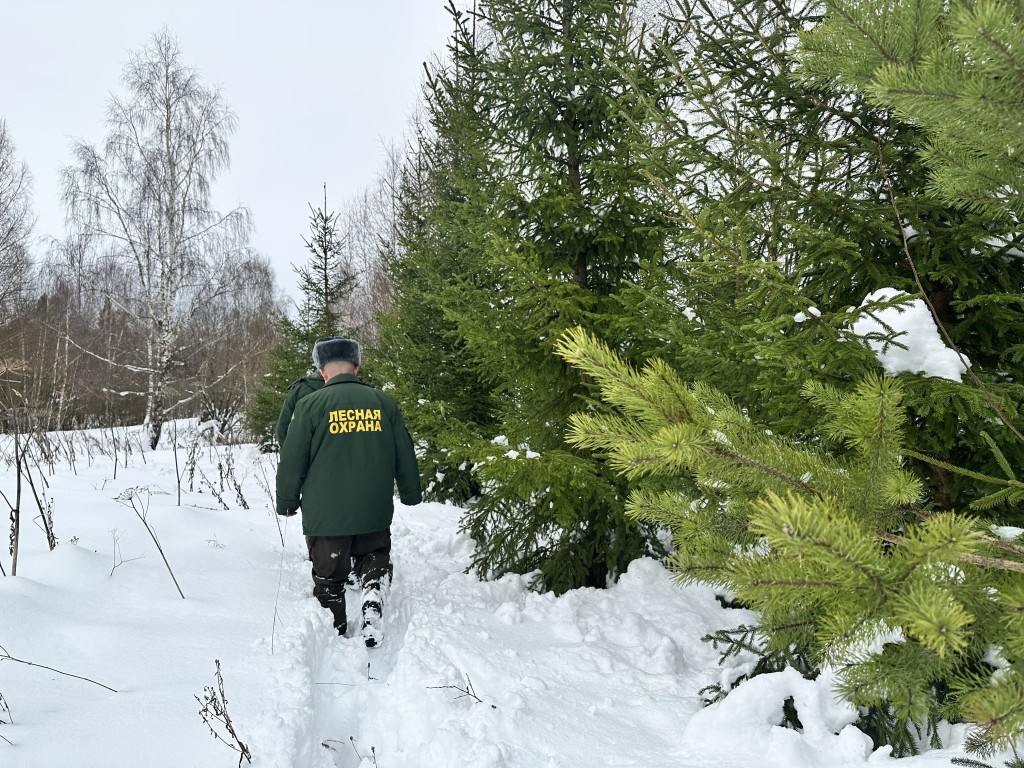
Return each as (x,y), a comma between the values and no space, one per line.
(346,447)
(296,391)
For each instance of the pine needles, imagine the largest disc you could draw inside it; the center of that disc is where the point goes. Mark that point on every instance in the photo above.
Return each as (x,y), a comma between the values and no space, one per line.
(828,538)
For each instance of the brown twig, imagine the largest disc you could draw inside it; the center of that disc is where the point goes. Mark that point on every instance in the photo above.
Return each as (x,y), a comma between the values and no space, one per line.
(980,560)
(466,692)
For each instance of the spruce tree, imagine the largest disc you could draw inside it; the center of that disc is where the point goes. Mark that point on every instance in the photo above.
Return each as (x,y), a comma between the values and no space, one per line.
(559,222)
(325,283)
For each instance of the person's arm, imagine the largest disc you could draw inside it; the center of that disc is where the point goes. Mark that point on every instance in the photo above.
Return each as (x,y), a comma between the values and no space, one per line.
(294,463)
(407,469)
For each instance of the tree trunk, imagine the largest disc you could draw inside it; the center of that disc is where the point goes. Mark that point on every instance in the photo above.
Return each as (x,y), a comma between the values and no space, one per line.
(154,409)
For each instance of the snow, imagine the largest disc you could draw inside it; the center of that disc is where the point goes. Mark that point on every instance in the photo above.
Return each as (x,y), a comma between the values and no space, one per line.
(801,317)
(1007,532)
(470,673)
(828,739)
(922,351)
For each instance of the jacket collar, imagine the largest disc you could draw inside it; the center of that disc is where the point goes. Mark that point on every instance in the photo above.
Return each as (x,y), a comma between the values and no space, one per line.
(344,378)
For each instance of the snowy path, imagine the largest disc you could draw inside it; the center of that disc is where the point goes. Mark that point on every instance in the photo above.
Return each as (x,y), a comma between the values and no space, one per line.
(611,673)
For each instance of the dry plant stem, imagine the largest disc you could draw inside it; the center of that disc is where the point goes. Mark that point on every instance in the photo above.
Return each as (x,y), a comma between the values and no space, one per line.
(5,707)
(466,692)
(373,751)
(152,535)
(213,490)
(177,473)
(142,451)
(14,553)
(132,495)
(114,446)
(264,484)
(280,531)
(277,597)
(931,307)
(51,540)
(215,707)
(118,559)
(5,656)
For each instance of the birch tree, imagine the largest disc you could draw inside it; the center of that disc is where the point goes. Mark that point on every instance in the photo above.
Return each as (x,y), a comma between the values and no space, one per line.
(16,218)
(143,198)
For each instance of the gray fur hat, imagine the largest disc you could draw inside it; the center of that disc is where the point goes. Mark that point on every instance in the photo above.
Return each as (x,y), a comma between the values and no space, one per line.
(334,349)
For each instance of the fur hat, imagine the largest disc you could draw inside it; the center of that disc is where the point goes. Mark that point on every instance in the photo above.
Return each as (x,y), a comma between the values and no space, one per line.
(334,349)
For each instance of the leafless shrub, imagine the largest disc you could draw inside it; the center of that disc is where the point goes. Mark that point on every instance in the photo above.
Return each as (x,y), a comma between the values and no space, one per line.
(226,468)
(467,692)
(191,458)
(42,448)
(43,504)
(214,711)
(91,446)
(213,489)
(190,462)
(68,445)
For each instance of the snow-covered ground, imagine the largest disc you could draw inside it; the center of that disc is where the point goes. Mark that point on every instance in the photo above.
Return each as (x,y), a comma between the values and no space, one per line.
(470,673)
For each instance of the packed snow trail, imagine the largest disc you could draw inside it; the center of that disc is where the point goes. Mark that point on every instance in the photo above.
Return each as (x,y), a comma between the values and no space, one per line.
(492,675)
(484,674)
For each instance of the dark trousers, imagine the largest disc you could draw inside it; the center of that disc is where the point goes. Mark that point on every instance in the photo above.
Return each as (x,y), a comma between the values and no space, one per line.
(367,554)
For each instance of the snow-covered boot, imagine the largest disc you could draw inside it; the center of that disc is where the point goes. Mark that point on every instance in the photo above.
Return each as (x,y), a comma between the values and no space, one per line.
(373,617)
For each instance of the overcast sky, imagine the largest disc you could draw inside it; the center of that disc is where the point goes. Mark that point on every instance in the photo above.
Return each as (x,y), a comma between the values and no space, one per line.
(319,87)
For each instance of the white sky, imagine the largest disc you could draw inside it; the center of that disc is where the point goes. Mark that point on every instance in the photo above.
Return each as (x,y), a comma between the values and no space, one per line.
(319,87)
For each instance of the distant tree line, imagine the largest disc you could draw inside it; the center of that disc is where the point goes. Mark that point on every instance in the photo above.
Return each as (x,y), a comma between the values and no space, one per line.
(153,305)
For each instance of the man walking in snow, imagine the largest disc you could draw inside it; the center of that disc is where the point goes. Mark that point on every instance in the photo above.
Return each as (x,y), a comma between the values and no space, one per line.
(345,449)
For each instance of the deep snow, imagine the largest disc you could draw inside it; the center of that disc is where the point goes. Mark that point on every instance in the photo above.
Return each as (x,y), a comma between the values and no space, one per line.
(594,677)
